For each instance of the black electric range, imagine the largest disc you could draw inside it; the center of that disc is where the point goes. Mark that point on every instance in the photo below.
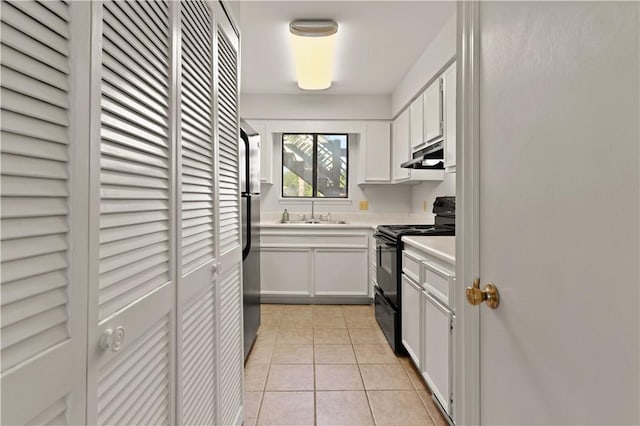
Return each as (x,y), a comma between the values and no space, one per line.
(389,265)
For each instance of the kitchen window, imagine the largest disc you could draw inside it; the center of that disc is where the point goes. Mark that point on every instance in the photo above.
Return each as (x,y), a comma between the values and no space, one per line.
(315,165)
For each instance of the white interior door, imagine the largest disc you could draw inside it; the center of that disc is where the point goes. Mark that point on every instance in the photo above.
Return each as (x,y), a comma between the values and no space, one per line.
(132,231)
(44,187)
(231,358)
(197,285)
(559,212)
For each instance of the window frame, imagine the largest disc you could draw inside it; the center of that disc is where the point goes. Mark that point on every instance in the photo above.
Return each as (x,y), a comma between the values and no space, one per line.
(314,185)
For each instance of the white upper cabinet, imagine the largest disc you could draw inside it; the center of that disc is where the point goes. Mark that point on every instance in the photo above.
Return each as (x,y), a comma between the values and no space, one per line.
(433,111)
(449,78)
(375,151)
(401,134)
(416,122)
(401,153)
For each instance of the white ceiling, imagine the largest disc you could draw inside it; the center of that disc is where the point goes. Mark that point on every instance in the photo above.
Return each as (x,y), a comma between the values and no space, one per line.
(378,42)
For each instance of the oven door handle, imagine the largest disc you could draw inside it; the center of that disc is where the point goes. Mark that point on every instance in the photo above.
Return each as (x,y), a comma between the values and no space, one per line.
(385,240)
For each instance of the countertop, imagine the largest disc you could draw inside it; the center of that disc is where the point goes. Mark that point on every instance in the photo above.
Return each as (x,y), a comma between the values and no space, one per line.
(354,220)
(443,248)
(316,226)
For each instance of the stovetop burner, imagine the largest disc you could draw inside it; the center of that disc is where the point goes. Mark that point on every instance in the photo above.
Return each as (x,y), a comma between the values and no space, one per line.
(397,231)
(445,223)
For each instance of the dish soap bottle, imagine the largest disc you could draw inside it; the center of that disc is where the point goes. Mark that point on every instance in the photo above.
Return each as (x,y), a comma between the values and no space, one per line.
(285,216)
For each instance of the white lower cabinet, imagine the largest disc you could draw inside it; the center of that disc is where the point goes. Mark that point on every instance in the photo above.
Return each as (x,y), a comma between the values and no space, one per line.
(340,272)
(428,287)
(286,271)
(437,350)
(411,319)
(315,265)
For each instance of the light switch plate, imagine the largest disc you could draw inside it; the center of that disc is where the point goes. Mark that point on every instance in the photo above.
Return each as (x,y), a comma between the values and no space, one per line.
(364,205)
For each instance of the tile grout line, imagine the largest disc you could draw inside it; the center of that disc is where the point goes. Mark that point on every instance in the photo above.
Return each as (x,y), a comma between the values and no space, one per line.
(366,393)
(315,395)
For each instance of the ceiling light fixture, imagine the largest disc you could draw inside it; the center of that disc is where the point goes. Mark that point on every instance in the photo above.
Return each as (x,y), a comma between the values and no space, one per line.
(313,44)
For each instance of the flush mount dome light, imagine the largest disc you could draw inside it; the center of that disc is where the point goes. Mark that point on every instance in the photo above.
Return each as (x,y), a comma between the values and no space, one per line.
(313,44)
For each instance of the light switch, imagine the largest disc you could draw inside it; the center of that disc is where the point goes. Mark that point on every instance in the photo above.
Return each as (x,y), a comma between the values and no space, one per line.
(364,205)
(424,205)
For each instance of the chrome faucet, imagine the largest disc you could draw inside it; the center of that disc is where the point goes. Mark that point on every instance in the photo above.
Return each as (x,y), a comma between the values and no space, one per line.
(312,211)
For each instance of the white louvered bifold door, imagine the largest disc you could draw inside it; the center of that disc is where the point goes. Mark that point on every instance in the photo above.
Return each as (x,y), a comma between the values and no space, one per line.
(198,263)
(43,189)
(132,288)
(230,292)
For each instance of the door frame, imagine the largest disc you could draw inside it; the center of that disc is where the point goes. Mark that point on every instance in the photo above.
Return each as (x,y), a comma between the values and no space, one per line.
(467,337)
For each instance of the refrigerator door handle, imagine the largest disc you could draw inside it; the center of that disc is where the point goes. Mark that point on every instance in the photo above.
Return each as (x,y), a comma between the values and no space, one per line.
(246,192)
(247,248)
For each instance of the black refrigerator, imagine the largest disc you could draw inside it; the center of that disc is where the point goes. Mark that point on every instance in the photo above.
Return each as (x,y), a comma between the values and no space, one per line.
(250,213)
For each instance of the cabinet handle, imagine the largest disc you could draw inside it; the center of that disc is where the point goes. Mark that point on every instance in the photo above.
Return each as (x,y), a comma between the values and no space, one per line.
(112,339)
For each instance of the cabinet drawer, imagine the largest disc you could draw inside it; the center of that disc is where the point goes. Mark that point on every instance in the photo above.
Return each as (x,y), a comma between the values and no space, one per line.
(327,240)
(411,265)
(437,280)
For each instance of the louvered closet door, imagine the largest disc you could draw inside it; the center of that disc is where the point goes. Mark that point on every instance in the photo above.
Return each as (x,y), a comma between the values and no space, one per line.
(132,292)
(197,288)
(43,260)
(227,132)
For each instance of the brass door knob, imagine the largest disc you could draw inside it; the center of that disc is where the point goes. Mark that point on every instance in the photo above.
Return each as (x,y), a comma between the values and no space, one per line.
(488,294)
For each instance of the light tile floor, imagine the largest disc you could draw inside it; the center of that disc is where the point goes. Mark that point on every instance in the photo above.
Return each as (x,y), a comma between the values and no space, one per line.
(331,365)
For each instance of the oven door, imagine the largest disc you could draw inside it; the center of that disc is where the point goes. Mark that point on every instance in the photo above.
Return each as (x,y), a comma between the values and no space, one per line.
(387,267)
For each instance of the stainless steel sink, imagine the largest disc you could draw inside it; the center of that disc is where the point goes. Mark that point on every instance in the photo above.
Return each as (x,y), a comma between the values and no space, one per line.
(315,222)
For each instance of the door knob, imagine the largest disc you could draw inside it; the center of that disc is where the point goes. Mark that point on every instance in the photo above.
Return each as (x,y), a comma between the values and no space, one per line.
(112,339)
(488,294)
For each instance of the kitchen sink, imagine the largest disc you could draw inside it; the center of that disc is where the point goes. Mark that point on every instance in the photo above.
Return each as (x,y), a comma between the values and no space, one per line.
(315,222)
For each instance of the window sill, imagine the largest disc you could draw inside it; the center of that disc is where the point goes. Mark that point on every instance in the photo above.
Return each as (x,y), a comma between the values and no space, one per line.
(317,201)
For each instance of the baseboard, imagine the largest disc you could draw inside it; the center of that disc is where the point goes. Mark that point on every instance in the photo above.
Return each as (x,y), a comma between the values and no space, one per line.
(319,300)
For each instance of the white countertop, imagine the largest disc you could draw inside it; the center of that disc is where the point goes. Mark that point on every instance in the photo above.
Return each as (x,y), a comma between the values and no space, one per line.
(444,248)
(354,220)
(316,226)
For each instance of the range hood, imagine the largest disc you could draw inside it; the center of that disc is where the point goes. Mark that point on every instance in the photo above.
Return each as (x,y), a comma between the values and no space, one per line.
(429,157)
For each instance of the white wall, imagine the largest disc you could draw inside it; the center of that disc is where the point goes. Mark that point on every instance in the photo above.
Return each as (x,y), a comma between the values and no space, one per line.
(315,107)
(381,198)
(432,61)
(428,191)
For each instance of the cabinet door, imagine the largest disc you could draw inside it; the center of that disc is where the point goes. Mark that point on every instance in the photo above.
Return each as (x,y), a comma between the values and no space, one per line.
(132,272)
(376,151)
(340,272)
(401,146)
(433,111)
(230,328)
(437,362)
(285,271)
(416,122)
(411,319)
(196,393)
(450,118)
(44,123)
